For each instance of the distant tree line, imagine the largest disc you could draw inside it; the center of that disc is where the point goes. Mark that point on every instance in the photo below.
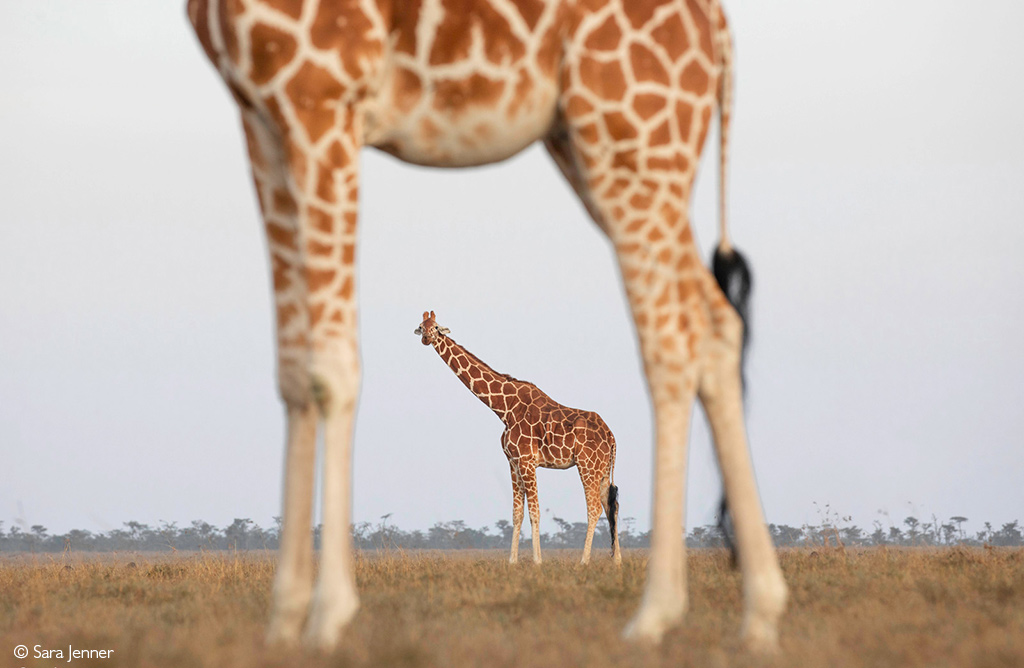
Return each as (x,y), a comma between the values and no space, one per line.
(244,534)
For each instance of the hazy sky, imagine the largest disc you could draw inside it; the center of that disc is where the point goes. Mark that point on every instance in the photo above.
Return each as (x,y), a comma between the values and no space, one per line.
(876,185)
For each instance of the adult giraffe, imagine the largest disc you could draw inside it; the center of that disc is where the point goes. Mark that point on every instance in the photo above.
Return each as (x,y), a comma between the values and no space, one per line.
(621,92)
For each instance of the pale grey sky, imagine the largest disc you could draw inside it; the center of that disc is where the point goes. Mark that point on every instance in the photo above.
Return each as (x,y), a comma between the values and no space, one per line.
(878,157)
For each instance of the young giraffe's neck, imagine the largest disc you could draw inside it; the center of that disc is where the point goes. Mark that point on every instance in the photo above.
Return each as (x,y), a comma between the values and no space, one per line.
(488,385)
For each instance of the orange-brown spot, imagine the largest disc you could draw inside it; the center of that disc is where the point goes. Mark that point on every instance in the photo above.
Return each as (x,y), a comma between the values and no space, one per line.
(625,159)
(705,123)
(325,188)
(524,85)
(646,66)
(454,36)
(337,316)
(636,225)
(320,219)
(694,79)
(639,12)
(672,37)
(454,95)
(655,234)
(550,51)
(284,203)
(407,91)
(292,8)
(199,15)
(703,27)
(348,254)
(577,106)
(272,49)
(661,135)
(285,314)
(281,236)
(670,214)
(337,155)
(279,268)
(228,11)
(604,78)
(342,26)
(589,133)
(605,37)
(274,109)
(316,312)
(531,11)
(684,119)
(345,291)
(648,104)
(660,164)
(619,126)
(403,26)
(318,279)
(350,219)
(641,200)
(615,189)
(314,95)
(318,249)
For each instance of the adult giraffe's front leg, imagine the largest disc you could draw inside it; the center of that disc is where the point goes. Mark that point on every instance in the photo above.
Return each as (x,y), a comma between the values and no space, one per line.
(528,474)
(307,183)
(518,492)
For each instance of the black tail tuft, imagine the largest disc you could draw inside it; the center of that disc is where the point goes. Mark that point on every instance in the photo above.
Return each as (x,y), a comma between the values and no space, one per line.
(733,275)
(613,512)
(725,526)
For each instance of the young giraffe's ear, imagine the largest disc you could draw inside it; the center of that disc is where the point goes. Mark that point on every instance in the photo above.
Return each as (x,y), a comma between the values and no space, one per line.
(419,331)
(444,330)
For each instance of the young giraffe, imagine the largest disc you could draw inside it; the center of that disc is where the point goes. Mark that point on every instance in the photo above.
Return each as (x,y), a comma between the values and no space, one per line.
(622,93)
(539,432)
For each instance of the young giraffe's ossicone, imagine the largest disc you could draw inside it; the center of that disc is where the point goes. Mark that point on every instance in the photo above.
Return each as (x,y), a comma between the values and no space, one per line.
(621,92)
(539,432)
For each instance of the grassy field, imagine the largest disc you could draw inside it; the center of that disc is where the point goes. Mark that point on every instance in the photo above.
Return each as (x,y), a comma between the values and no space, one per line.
(875,607)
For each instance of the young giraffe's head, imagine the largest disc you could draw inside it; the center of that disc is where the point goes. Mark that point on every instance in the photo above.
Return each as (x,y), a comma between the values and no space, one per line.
(429,330)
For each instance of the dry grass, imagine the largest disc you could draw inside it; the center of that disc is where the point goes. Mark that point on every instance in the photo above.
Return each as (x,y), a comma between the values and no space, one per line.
(876,607)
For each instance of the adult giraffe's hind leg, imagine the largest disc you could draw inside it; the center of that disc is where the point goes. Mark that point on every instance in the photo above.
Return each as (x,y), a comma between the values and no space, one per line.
(592,492)
(764,590)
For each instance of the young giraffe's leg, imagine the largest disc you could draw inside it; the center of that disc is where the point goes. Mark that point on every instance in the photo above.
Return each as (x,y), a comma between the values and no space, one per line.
(517,510)
(528,473)
(764,590)
(612,513)
(307,182)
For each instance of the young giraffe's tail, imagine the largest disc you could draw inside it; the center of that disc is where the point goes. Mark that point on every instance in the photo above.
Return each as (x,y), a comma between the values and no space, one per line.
(730,267)
(613,498)
(613,513)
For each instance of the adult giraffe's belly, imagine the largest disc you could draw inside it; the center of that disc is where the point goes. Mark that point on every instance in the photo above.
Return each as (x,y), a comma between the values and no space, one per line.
(473,120)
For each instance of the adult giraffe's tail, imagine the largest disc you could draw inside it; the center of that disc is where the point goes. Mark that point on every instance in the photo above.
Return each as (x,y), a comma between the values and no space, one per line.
(729,266)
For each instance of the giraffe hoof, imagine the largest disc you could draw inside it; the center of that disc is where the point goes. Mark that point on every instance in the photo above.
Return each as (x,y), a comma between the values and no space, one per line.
(283,634)
(329,618)
(651,622)
(761,638)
